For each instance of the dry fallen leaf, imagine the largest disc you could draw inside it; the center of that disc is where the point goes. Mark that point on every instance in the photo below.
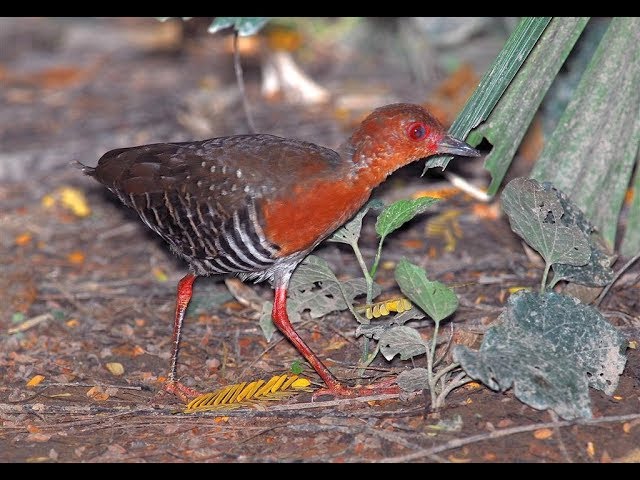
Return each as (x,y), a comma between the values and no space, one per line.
(96,393)
(543,433)
(35,380)
(115,368)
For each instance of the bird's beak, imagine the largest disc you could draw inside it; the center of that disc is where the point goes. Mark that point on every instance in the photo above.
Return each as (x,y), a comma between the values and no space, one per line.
(452,145)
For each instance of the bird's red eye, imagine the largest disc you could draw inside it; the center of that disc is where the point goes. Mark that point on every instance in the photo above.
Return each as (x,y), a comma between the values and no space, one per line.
(417,131)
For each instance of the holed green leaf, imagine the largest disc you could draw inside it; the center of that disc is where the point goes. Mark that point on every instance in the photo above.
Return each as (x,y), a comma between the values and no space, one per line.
(536,215)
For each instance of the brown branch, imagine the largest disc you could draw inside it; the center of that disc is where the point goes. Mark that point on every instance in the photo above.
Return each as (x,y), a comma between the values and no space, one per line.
(460,442)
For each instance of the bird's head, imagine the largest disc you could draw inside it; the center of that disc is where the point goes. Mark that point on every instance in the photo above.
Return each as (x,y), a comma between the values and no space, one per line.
(395,135)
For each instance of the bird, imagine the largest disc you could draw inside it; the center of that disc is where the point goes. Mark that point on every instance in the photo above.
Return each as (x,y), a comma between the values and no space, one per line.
(255,205)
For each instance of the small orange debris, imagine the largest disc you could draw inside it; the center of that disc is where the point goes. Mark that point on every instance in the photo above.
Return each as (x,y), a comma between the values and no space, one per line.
(23,239)
(221,419)
(591,450)
(96,393)
(159,274)
(413,244)
(454,459)
(441,193)
(626,427)
(35,381)
(140,322)
(618,397)
(76,257)
(490,457)
(72,323)
(468,401)
(33,429)
(543,433)
(488,211)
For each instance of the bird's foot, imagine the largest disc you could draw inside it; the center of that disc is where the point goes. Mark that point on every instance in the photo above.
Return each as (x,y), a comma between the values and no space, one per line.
(387,386)
(181,391)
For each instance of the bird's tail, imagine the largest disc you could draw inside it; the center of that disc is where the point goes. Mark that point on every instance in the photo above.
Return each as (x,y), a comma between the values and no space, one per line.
(85,169)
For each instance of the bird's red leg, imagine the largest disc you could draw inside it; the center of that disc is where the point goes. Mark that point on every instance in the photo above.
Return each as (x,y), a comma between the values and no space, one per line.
(185,289)
(334,387)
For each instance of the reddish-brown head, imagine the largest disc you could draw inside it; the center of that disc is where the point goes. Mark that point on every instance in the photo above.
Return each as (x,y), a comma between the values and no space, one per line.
(397,134)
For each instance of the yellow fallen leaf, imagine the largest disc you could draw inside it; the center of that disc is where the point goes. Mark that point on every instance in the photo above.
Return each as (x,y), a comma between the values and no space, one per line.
(591,450)
(301,383)
(115,368)
(633,344)
(543,433)
(513,290)
(159,274)
(618,397)
(74,200)
(35,380)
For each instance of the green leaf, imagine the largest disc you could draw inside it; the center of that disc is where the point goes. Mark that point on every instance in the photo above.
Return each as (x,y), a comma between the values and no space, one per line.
(413,380)
(245,26)
(349,233)
(510,119)
(400,212)
(550,348)
(434,298)
(405,341)
(296,367)
(535,214)
(494,82)
(591,154)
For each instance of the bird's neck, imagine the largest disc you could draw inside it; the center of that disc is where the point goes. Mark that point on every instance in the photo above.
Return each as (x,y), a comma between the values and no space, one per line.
(369,163)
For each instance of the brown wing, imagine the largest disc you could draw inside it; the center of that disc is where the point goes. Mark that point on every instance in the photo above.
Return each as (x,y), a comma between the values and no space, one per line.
(189,193)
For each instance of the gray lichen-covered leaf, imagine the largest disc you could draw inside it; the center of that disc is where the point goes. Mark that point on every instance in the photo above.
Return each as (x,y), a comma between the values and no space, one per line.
(405,341)
(597,272)
(350,231)
(374,330)
(536,215)
(413,380)
(266,322)
(244,25)
(400,212)
(435,298)
(550,348)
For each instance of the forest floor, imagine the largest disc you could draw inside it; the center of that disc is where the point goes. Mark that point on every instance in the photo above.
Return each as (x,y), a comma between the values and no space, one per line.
(87,298)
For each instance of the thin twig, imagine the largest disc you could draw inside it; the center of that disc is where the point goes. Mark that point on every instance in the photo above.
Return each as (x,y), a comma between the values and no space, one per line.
(239,77)
(460,442)
(563,447)
(615,278)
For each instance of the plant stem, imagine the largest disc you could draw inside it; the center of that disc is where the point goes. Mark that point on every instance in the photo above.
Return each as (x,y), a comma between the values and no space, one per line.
(365,271)
(430,376)
(544,277)
(374,268)
(240,79)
